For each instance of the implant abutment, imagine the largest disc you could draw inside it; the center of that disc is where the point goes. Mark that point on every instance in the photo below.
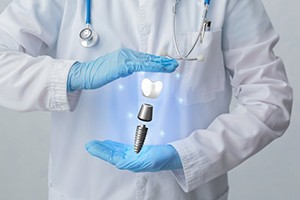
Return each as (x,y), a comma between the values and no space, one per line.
(145,113)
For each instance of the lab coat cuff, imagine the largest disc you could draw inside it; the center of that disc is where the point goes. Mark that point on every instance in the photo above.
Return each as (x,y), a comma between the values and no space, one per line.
(60,99)
(193,162)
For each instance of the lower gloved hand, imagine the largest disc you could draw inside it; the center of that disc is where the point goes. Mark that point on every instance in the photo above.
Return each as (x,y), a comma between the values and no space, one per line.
(152,158)
(120,63)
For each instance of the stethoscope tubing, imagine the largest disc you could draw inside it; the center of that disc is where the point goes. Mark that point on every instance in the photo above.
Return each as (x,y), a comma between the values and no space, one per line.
(199,36)
(88,12)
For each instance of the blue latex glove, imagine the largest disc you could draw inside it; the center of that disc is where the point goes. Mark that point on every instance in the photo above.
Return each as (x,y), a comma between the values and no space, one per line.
(152,158)
(120,63)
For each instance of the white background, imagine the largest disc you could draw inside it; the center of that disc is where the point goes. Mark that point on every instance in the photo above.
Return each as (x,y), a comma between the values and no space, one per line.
(272,174)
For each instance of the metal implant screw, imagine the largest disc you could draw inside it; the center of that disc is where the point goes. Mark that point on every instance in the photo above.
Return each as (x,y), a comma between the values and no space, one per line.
(140,135)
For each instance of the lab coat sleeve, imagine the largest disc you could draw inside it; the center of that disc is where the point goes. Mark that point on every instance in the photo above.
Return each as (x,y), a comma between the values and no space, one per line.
(29,81)
(262,91)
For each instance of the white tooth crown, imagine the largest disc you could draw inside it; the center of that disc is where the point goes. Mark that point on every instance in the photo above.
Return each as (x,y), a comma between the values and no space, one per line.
(151,89)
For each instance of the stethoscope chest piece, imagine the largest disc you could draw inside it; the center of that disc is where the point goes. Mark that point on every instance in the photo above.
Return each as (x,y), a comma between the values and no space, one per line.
(88,37)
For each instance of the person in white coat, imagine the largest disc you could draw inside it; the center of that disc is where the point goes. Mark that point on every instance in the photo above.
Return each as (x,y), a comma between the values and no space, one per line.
(94,93)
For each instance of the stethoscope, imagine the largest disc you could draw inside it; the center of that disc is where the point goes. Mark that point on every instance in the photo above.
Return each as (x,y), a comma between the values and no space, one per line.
(204,26)
(89,37)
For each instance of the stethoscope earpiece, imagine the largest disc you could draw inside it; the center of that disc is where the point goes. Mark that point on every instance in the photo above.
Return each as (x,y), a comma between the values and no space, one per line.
(88,37)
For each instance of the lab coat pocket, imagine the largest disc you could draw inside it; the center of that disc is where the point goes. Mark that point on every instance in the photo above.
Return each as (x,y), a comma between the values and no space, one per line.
(198,81)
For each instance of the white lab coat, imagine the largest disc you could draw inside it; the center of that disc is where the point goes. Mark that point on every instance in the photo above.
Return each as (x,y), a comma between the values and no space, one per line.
(39,43)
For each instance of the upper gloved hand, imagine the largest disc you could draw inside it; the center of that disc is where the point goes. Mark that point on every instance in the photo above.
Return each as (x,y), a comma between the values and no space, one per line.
(152,158)
(120,63)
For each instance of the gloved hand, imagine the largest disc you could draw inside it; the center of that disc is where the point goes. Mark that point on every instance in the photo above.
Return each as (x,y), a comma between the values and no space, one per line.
(120,63)
(152,158)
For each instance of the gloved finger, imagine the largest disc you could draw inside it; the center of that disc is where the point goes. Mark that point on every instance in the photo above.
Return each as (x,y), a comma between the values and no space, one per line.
(151,159)
(151,58)
(130,163)
(139,164)
(104,151)
(142,57)
(134,162)
(118,147)
(153,63)
(161,65)
(131,166)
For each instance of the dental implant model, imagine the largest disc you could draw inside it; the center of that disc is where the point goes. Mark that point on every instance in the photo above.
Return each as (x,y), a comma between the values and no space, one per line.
(144,115)
(150,90)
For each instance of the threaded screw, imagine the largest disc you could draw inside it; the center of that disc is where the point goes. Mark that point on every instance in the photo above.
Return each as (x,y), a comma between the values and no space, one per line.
(140,135)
